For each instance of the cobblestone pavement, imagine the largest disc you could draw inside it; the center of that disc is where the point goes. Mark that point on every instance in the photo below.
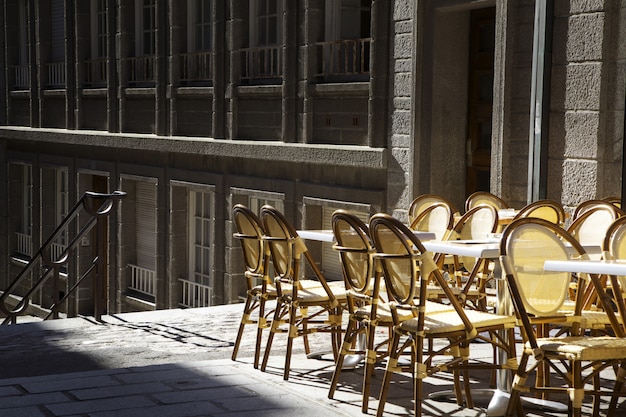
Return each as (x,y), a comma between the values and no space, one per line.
(177,363)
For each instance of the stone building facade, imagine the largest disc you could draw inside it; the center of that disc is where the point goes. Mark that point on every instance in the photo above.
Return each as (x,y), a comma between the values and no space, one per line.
(193,106)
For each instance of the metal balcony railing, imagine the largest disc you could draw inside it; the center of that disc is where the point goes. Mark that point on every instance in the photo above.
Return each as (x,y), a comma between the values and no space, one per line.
(197,67)
(24,244)
(48,262)
(21,77)
(96,72)
(262,63)
(142,69)
(142,280)
(56,74)
(194,294)
(344,57)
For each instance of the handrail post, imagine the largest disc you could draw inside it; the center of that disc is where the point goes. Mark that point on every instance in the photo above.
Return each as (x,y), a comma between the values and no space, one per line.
(55,291)
(98,283)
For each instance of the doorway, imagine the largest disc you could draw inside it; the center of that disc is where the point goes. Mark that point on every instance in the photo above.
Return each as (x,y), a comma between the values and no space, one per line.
(480,99)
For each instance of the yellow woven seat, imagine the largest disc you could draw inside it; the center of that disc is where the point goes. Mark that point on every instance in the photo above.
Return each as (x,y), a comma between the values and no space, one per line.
(538,297)
(448,321)
(583,348)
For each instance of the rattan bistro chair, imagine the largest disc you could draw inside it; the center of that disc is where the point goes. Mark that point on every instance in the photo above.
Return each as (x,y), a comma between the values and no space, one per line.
(437,218)
(549,210)
(303,306)
(538,296)
(470,275)
(259,287)
(483,197)
(406,267)
(356,253)
(594,204)
(423,201)
(615,248)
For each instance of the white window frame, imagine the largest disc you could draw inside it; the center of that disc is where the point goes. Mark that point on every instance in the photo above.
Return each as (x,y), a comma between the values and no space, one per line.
(145,28)
(23,33)
(27,200)
(58,30)
(61,203)
(255,17)
(195,19)
(337,13)
(201,240)
(98,19)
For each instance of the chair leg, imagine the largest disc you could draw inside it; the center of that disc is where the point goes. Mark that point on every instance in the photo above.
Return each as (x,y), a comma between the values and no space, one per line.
(245,319)
(391,364)
(278,313)
(261,325)
(578,385)
(370,363)
(620,374)
(292,334)
(419,373)
(345,349)
(515,401)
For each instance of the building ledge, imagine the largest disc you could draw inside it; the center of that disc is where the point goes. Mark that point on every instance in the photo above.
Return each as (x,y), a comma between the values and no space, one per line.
(271,151)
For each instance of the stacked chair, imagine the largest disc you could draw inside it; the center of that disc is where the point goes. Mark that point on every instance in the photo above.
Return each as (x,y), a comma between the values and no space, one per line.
(255,258)
(303,306)
(538,297)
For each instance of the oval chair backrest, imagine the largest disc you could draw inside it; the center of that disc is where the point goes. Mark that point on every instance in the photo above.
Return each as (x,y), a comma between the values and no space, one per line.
(477,223)
(422,202)
(616,201)
(483,197)
(591,204)
(437,218)
(549,210)
(525,246)
(614,245)
(591,226)
(397,257)
(283,241)
(355,250)
(250,234)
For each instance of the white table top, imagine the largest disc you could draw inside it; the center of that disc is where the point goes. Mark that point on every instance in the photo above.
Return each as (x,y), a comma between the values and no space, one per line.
(486,249)
(617,267)
(326,235)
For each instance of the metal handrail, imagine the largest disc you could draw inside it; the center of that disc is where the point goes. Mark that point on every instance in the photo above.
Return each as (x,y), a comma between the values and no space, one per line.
(99,206)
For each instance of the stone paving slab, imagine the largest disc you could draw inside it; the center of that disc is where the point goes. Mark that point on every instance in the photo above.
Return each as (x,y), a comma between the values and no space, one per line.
(177,363)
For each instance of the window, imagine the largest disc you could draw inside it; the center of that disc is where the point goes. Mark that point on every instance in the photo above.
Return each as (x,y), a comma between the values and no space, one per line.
(20,71)
(56,68)
(199,25)
(200,228)
(142,64)
(61,208)
(197,61)
(145,24)
(264,57)
(24,231)
(143,270)
(257,202)
(96,67)
(348,37)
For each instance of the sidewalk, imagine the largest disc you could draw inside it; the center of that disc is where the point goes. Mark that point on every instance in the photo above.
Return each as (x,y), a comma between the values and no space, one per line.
(177,363)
